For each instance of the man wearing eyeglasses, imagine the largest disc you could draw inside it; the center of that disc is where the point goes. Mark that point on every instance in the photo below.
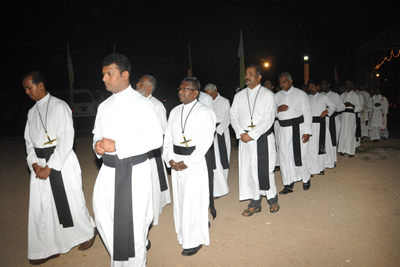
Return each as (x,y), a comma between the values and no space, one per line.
(188,137)
(252,117)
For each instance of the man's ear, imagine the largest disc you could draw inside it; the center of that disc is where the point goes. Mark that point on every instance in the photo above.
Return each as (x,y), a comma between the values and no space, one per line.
(125,75)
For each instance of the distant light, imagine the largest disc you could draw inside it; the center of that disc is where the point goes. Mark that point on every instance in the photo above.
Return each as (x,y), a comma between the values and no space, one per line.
(165,100)
(266,64)
(305,58)
(377,75)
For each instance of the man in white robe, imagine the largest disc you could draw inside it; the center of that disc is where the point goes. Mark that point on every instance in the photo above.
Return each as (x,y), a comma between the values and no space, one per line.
(295,118)
(364,113)
(146,86)
(333,121)
(320,147)
(188,137)
(125,130)
(378,106)
(58,217)
(347,137)
(222,141)
(252,118)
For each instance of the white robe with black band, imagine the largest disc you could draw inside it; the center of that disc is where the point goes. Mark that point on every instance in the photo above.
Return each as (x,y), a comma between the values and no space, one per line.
(160,199)
(221,108)
(46,236)
(131,121)
(263,118)
(298,105)
(190,187)
(318,104)
(347,137)
(339,108)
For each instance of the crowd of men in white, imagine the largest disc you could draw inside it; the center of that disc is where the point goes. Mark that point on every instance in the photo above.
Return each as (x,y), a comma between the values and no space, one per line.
(287,131)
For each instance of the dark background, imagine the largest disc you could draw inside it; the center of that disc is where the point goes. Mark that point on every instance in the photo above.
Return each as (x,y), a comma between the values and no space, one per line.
(155,37)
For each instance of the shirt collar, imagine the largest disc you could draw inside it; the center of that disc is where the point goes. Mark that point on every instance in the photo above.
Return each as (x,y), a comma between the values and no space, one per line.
(43,100)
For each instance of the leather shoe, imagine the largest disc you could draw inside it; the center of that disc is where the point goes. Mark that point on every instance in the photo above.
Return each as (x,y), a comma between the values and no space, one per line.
(148,246)
(307,185)
(190,251)
(88,244)
(41,261)
(286,191)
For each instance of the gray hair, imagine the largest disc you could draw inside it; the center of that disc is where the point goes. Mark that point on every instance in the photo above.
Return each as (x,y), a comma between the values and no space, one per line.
(152,80)
(210,86)
(287,74)
(194,82)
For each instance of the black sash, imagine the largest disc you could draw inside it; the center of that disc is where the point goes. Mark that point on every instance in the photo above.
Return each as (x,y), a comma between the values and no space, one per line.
(124,242)
(358,122)
(332,127)
(58,189)
(263,159)
(156,154)
(322,134)
(295,123)
(184,151)
(223,153)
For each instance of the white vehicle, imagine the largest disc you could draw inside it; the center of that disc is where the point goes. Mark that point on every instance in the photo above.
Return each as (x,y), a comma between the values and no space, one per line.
(100,96)
(82,104)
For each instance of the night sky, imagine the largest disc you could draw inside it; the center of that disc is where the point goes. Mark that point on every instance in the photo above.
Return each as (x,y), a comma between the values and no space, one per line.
(155,38)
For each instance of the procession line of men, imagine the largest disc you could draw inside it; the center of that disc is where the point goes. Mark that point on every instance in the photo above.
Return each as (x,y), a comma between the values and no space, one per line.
(134,140)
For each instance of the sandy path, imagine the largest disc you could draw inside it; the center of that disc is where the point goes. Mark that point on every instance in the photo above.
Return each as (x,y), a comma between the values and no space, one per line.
(349,217)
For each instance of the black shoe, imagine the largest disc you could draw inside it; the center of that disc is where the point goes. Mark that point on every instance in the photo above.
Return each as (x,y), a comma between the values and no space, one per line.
(307,185)
(286,191)
(321,173)
(88,244)
(190,251)
(148,245)
(41,261)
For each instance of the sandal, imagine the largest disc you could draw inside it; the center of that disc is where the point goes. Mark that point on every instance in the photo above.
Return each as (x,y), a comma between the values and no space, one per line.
(272,206)
(251,211)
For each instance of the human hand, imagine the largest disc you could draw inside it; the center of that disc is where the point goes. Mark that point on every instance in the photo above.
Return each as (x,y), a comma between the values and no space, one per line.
(283,108)
(245,137)
(305,138)
(324,113)
(108,145)
(98,149)
(43,173)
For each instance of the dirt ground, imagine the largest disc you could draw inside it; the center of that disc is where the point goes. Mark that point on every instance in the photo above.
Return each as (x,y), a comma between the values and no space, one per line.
(349,217)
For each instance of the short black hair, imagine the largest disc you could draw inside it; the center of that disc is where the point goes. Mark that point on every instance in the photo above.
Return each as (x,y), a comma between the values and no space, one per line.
(269,80)
(194,82)
(37,77)
(120,60)
(325,79)
(258,69)
(313,81)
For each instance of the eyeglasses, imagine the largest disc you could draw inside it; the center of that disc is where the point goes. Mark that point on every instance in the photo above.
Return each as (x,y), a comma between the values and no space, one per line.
(186,89)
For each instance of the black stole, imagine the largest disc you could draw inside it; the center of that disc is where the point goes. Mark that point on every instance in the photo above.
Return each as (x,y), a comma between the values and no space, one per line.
(322,134)
(295,123)
(58,189)
(124,242)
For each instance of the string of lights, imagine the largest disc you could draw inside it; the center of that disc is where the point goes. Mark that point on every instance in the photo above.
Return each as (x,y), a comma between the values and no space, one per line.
(386,59)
